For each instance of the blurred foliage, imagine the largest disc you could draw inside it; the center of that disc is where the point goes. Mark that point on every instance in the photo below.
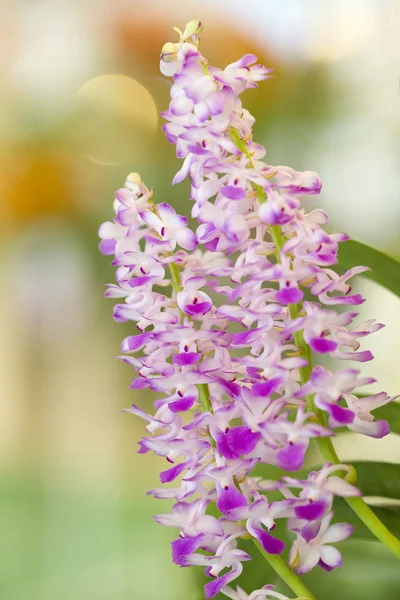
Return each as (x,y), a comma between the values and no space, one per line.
(63,541)
(384,269)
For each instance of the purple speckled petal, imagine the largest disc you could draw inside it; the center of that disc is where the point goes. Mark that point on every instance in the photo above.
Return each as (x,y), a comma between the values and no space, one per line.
(291,458)
(233,192)
(181,405)
(134,342)
(194,304)
(245,338)
(274,215)
(310,530)
(139,281)
(242,439)
(186,358)
(339,413)
(231,388)
(289,295)
(200,308)
(183,547)
(143,449)
(224,448)
(230,498)
(139,384)
(266,388)
(312,511)
(270,543)
(173,473)
(237,441)
(322,345)
(212,588)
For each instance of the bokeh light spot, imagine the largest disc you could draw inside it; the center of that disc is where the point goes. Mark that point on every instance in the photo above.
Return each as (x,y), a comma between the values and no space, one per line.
(118,116)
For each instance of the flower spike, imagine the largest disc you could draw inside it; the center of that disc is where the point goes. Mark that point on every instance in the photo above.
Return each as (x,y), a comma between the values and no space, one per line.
(224,336)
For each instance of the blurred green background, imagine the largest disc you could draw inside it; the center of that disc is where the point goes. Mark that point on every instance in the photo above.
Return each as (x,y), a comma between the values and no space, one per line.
(79,105)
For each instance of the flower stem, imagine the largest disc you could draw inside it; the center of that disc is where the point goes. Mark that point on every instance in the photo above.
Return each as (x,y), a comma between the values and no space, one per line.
(204,392)
(375,525)
(175,278)
(285,573)
(325,445)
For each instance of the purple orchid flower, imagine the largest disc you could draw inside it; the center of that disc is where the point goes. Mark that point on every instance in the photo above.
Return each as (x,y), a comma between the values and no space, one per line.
(221,322)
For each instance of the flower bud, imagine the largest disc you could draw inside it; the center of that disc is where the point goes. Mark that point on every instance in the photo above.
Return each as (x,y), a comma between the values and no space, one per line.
(169,51)
(192,28)
(351,476)
(133,179)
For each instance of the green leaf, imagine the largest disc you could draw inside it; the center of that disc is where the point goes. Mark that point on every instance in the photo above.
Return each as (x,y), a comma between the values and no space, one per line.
(378,479)
(390,517)
(385,269)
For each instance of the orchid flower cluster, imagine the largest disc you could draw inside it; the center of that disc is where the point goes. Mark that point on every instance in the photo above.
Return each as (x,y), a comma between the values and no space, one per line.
(227,316)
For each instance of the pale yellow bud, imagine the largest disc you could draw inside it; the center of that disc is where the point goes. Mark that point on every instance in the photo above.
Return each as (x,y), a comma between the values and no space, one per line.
(134,178)
(169,51)
(132,182)
(192,28)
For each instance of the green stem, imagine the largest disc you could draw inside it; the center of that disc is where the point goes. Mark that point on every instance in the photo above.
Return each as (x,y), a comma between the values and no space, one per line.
(175,278)
(375,525)
(204,392)
(285,573)
(325,445)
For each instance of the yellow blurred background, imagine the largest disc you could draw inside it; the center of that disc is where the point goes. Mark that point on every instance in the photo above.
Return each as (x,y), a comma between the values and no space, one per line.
(80,97)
